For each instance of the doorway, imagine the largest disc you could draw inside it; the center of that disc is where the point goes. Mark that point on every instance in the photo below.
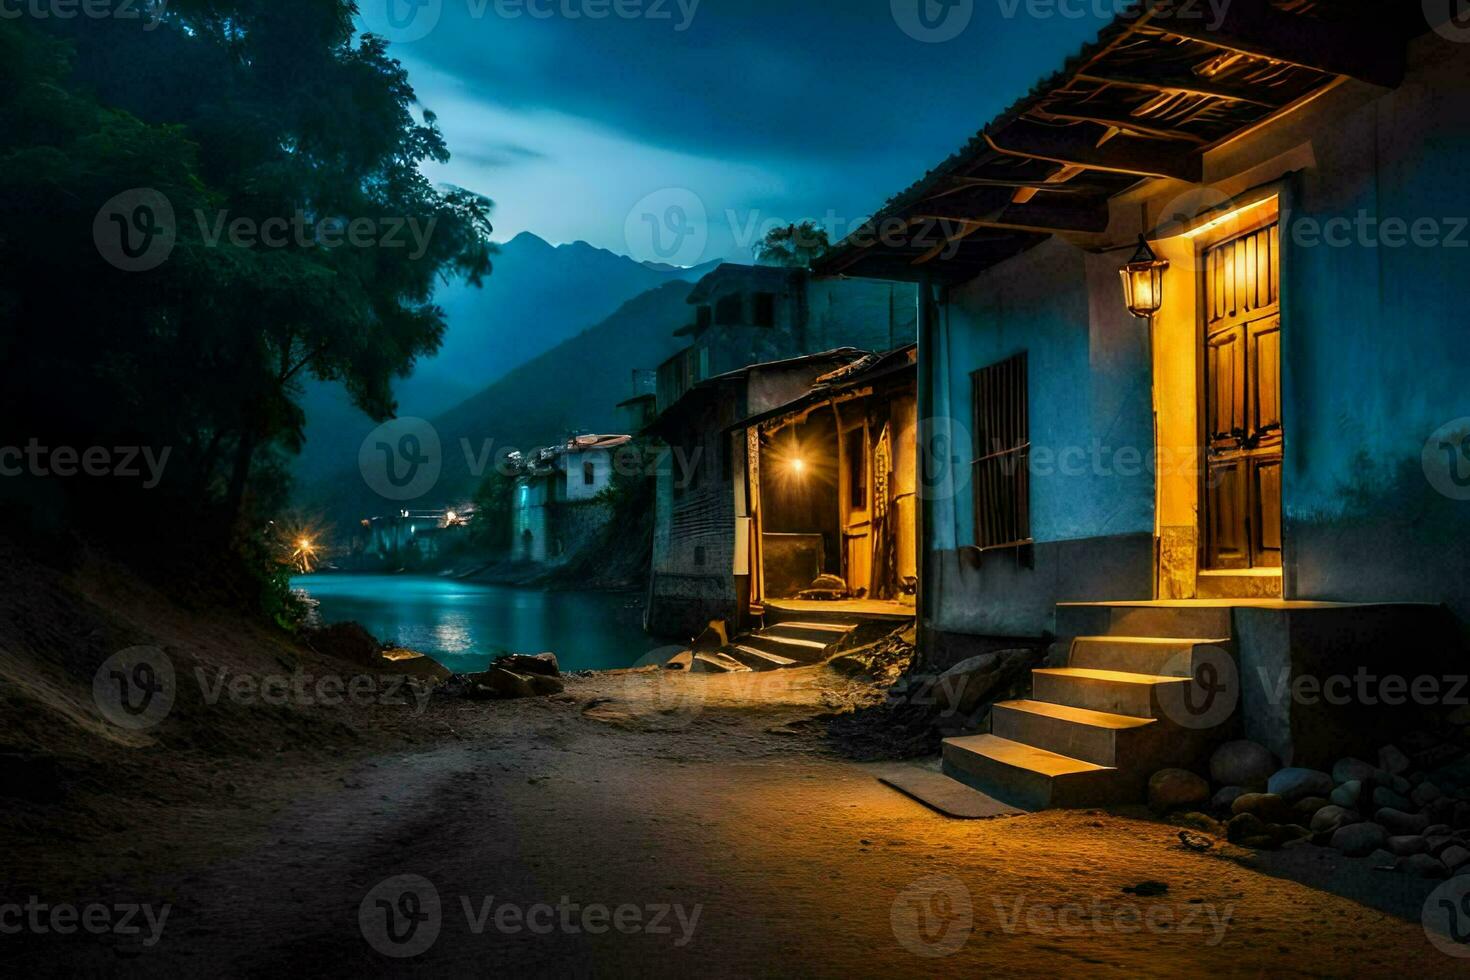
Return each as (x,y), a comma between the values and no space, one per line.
(1241,404)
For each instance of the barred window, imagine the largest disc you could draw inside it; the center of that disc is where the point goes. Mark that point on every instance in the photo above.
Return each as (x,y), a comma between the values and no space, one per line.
(1002,454)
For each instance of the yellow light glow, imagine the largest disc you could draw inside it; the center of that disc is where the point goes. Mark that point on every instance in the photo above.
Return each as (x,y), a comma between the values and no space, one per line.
(304,544)
(1228,217)
(451,517)
(798,466)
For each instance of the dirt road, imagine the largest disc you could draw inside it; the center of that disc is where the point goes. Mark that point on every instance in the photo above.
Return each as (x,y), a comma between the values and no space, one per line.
(653,826)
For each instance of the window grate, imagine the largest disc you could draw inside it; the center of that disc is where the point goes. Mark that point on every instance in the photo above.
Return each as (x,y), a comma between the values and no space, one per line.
(1002,455)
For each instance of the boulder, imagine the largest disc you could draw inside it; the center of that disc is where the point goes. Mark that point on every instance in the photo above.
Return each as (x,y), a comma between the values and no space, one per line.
(1400,822)
(497,684)
(1170,789)
(1383,796)
(1439,830)
(1455,857)
(1292,784)
(1359,839)
(1437,844)
(1242,763)
(1399,785)
(1382,860)
(1268,806)
(1423,866)
(977,680)
(1227,796)
(1393,761)
(1405,846)
(1332,817)
(345,641)
(1243,827)
(1425,793)
(1347,770)
(543,664)
(1461,815)
(1304,809)
(1348,793)
(544,686)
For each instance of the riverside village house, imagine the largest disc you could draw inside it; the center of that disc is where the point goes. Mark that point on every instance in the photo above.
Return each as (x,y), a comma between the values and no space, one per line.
(1191,371)
(788,425)
(555,505)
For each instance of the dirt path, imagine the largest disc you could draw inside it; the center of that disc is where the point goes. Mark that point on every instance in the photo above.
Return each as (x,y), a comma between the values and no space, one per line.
(675,829)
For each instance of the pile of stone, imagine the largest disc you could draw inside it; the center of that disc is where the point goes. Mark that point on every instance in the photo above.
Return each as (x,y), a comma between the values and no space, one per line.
(509,677)
(1408,810)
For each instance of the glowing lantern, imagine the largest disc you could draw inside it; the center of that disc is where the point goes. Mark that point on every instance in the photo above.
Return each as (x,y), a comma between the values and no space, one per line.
(1143,281)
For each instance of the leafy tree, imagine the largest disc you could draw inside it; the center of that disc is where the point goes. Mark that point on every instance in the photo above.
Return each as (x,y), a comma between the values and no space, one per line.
(240,114)
(795,246)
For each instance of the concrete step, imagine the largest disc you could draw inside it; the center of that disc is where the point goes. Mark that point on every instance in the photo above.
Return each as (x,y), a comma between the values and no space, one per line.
(803,651)
(1190,620)
(1164,656)
(758,659)
(1248,584)
(827,633)
(1098,737)
(1112,691)
(1031,777)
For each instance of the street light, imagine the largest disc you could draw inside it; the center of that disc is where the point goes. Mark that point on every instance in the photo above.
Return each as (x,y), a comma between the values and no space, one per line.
(1143,281)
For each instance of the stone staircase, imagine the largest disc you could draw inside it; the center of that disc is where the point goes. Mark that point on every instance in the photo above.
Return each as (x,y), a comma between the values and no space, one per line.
(789,644)
(1136,696)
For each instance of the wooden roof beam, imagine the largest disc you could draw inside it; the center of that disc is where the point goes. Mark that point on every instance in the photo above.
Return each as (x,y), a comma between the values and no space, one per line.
(1071,146)
(1184,84)
(1042,218)
(1366,51)
(1126,122)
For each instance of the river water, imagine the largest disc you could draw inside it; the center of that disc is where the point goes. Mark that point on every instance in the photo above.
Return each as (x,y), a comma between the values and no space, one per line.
(464,625)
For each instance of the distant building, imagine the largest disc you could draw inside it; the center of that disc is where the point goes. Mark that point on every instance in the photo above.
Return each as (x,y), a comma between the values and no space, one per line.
(410,537)
(555,503)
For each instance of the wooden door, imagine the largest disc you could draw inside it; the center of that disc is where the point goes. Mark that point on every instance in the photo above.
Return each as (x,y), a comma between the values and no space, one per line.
(1242,410)
(855,495)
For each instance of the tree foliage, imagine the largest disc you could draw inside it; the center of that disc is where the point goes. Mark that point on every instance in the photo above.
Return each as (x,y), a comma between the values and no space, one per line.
(794,246)
(242,114)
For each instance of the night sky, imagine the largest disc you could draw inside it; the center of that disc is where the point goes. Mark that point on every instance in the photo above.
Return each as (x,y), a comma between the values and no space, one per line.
(750,111)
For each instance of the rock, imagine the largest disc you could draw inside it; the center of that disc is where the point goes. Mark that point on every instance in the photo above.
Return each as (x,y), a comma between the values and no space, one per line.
(1348,793)
(967,685)
(543,664)
(1198,821)
(1294,784)
(1348,770)
(1309,806)
(1260,842)
(1437,843)
(1461,818)
(1331,817)
(1400,822)
(1405,846)
(1268,806)
(1423,866)
(1242,763)
(1383,796)
(1399,785)
(543,686)
(1425,793)
(1244,826)
(1393,761)
(497,684)
(345,641)
(1227,796)
(1383,859)
(1455,857)
(1287,833)
(1439,830)
(1169,789)
(1359,839)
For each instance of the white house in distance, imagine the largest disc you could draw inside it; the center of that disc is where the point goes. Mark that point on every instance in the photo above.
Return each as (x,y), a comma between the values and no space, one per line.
(555,503)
